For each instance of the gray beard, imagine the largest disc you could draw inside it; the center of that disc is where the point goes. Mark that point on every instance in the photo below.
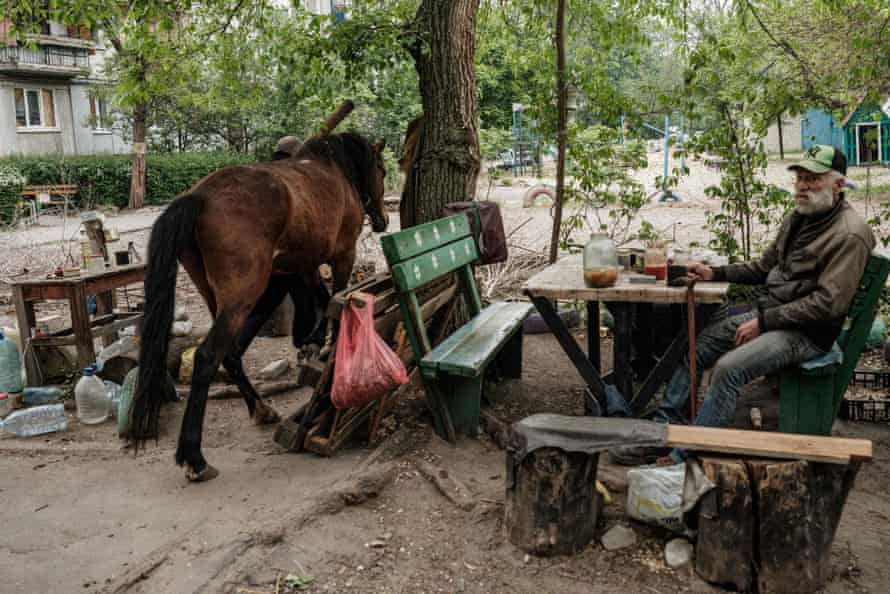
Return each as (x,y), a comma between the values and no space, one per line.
(820,202)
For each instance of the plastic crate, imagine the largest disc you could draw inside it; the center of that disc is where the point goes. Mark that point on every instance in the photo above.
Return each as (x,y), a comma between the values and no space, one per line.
(865,410)
(872,378)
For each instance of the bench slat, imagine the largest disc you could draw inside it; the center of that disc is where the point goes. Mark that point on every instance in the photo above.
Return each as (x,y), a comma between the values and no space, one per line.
(473,345)
(425,268)
(403,245)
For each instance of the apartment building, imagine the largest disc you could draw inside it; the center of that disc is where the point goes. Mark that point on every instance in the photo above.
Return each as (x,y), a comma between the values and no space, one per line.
(45,102)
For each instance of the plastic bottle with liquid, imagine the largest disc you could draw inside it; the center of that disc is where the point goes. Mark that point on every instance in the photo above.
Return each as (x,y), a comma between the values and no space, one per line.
(35,421)
(91,398)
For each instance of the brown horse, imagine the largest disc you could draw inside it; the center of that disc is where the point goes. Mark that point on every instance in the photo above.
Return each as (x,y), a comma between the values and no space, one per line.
(232,231)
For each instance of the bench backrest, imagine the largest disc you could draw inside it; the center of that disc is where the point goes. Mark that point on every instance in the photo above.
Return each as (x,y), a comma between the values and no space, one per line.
(859,320)
(423,254)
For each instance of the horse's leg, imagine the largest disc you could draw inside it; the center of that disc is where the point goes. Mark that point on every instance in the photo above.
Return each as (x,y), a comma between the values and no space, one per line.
(209,355)
(341,270)
(262,413)
(236,297)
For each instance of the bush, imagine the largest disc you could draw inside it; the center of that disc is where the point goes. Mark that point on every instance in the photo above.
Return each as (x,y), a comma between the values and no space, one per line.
(105,179)
(11,183)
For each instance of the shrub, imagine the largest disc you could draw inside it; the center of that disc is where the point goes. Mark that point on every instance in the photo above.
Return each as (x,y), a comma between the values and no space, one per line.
(11,183)
(105,179)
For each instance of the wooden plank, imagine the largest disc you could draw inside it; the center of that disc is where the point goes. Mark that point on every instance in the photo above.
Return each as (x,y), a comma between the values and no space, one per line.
(468,350)
(403,245)
(565,280)
(416,272)
(833,450)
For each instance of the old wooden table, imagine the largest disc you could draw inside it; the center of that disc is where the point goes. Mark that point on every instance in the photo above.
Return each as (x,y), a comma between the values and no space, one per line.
(564,280)
(83,331)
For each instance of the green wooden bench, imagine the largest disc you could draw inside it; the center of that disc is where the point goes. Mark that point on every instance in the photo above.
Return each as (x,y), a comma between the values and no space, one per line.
(810,394)
(453,372)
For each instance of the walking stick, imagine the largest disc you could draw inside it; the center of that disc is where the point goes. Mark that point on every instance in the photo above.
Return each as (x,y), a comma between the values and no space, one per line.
(693,376)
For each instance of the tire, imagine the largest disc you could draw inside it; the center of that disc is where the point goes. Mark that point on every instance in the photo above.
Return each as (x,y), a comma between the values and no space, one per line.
(535,192)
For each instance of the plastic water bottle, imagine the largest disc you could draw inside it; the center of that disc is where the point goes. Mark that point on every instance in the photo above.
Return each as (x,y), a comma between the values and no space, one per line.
(41,395)
(35,421)
(10,366)
(113,391)
(91,398)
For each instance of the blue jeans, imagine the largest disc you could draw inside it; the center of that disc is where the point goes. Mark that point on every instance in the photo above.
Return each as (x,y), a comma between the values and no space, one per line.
(733,368)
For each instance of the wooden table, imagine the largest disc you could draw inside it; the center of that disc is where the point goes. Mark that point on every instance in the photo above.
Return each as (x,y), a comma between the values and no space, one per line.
(27,292)
(564,280)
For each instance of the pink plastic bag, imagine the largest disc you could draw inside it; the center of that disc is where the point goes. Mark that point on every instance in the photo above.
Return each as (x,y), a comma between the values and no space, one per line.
(366,368)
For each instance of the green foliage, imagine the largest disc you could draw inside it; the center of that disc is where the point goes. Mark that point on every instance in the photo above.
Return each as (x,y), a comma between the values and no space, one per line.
(12,180)
(604,193)
(105,179)
(492,141)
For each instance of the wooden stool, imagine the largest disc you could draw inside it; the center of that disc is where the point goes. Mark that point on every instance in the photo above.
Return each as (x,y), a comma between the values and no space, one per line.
(770,522)
(552,504)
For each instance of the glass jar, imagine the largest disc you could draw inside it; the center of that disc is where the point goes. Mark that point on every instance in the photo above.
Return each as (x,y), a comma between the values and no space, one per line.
(600,261)
(677,268)
(656,259)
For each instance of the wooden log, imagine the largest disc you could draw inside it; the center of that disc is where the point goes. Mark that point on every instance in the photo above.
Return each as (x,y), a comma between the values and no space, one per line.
(449,485)
(798,505)
(725,547)
(768,526)
(551,505)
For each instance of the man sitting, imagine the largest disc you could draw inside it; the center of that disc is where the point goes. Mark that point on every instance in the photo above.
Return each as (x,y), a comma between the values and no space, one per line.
(811,270)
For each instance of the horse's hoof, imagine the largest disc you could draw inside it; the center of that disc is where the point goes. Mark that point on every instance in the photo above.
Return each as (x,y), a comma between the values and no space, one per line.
(266,415)
(205,475)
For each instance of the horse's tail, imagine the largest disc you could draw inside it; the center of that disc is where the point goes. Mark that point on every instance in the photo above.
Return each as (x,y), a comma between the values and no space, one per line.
(172,232)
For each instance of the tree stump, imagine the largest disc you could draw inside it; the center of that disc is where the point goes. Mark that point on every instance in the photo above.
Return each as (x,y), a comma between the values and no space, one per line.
(552,505)
(769,525)
(725,547)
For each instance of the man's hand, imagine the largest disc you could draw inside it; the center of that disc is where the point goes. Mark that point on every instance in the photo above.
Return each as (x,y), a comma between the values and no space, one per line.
(698,271)
(747,332)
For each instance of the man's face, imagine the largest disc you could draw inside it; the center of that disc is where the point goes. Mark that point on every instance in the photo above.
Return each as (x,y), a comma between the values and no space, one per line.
(815,192)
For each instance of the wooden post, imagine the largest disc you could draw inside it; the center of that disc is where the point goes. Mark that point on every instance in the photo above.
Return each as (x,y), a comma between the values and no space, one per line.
(80,324)
(105,305)
(552,505)
(24,313)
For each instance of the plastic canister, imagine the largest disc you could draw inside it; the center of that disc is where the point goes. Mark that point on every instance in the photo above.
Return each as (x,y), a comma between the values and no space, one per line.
(91,398)
(10,366)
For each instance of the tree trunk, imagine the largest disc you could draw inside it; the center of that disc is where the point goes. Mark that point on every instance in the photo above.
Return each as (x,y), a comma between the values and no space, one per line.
(561,115)
(137,175)
(449,157)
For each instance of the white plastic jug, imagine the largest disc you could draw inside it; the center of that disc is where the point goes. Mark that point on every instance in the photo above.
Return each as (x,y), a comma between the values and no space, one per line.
(91,398)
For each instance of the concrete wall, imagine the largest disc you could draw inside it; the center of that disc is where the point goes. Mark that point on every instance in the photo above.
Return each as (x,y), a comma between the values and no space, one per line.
(73,135)
(791,138)
(17,141)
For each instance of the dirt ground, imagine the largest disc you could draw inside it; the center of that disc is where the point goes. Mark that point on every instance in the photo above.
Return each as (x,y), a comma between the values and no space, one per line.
(81,515)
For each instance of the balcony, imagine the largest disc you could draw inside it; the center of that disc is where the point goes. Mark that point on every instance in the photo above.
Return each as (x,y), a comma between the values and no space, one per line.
(45,60)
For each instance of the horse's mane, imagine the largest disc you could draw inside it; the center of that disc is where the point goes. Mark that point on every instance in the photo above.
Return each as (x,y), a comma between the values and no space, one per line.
(349,151)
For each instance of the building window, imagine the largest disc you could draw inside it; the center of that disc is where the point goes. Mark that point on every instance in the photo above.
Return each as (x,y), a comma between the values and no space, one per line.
(35,108)
(99,114)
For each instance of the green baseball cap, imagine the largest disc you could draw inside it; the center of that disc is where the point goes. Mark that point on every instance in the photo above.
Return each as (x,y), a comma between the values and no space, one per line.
(822,158)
